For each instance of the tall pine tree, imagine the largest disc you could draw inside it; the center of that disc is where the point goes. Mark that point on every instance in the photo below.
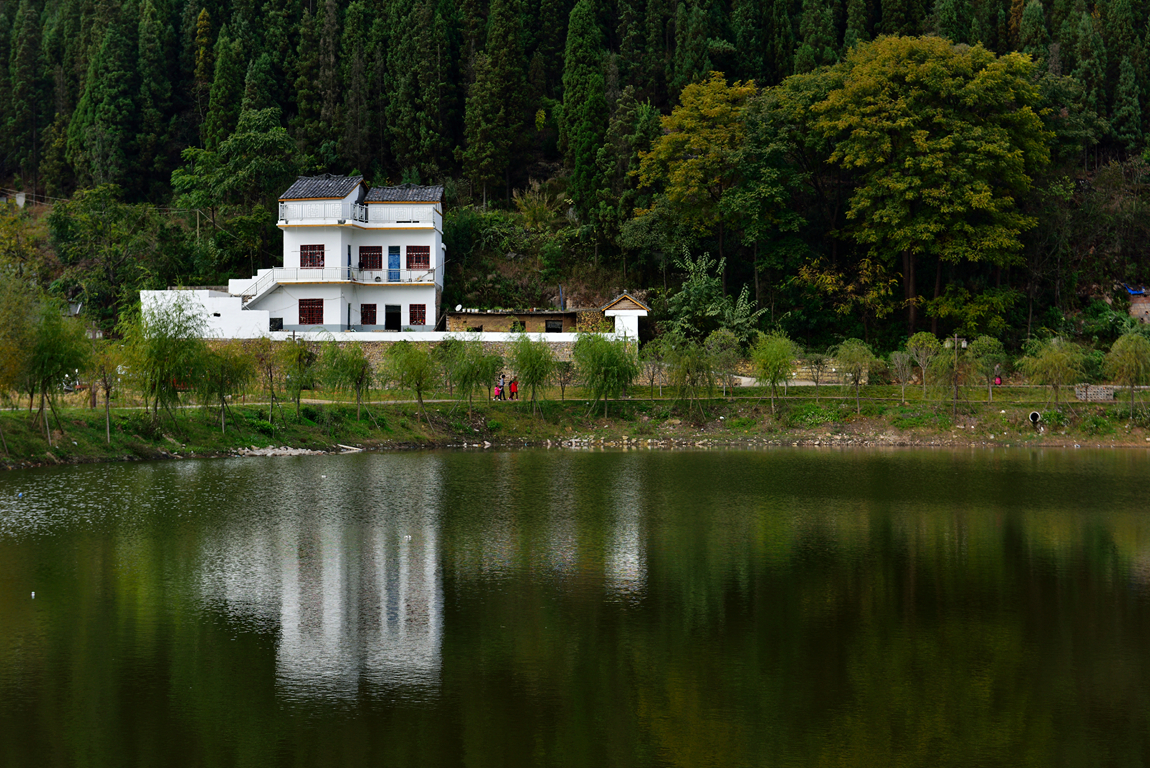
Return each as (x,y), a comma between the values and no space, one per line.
(951,20)
(858,23)
(5,93)
(816,35)
(153,99)
(306,127)
(26,92)
(584,105)
(1126,115)
(103,127)
(205,63)
(259,84)
(1032,35)
(486,156)
(1090,69)
(227,91)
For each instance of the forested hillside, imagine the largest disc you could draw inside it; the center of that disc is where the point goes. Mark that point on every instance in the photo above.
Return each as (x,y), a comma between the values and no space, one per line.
(859,167)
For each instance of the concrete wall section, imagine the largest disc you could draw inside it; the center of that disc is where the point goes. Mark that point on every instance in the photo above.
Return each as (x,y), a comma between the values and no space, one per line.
(224,315)
(343,302)
(335,242)
(463,322)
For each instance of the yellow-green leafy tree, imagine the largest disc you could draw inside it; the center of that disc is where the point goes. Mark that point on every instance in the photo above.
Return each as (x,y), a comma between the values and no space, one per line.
(695,161)
(942,141)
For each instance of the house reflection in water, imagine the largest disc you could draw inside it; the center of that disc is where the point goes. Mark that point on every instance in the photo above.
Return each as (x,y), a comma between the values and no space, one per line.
(355,597)
(625,564)
(367,611)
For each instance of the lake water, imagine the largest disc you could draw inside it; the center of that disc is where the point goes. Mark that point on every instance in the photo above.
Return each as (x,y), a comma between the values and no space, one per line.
(775,608)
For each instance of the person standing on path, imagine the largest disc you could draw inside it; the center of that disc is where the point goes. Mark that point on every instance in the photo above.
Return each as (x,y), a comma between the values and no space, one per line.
(514,387)
(502,387)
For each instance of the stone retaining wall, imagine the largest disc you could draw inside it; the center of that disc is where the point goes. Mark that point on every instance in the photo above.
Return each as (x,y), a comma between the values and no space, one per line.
(1094,393)
(377,349)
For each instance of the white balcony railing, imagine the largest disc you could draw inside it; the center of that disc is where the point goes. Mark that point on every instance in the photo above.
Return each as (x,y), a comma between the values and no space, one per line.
(400,214)
(279,275)
(364,214)
(308,210)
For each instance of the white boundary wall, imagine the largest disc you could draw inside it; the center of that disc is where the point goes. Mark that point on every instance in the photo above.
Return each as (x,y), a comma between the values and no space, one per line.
(227,319)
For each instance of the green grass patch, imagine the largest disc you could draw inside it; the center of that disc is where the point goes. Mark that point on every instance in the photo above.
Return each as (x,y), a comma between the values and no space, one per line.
(916,418)
(807,415)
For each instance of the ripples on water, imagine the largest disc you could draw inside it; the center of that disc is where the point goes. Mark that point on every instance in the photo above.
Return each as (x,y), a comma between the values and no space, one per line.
(537,607)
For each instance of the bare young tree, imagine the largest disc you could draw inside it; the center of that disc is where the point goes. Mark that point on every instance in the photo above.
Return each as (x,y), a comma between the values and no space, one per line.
(903,366)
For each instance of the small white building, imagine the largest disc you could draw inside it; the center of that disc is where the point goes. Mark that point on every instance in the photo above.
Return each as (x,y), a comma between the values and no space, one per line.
(354,259)
(625,310)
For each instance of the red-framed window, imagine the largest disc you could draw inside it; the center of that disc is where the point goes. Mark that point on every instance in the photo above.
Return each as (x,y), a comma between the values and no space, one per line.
(311,311)
(371,257)
(418,257)
(417,314)
(311,257)
(367,314)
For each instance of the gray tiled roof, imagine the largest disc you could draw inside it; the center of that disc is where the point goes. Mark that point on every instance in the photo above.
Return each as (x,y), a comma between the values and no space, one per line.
(405,193)
(320,187)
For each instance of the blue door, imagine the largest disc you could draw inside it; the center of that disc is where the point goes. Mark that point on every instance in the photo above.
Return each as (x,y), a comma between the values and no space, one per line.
(393,264)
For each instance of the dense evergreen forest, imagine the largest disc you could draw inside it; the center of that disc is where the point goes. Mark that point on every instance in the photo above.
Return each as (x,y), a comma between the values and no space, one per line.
(857,167)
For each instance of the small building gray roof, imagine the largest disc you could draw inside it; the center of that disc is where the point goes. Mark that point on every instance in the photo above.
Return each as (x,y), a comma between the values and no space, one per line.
(327,186)
(405,193)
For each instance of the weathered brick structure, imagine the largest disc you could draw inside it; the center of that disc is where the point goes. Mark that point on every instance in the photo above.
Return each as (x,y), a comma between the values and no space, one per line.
(506,321)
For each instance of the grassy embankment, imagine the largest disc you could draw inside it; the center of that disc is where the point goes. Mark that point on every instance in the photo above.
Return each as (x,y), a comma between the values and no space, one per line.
(745,419)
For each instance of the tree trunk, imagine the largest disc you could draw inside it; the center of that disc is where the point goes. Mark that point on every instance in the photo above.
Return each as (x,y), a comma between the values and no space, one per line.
(43,415)
(107,417)
(937,290)
(908,283)
(721,259)
(755,269)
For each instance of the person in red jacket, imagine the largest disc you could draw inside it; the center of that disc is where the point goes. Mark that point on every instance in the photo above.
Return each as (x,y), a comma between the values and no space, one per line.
(514,387)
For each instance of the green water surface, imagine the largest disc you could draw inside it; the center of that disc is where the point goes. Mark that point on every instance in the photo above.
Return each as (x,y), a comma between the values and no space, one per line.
(775,608)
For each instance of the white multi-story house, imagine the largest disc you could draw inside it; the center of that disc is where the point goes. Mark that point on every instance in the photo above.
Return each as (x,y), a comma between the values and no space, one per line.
(354,258)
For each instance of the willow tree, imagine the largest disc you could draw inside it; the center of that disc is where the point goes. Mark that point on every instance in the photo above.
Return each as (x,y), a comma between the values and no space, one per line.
(533,362)
(1128,362)
(1054,362)
(943,140)
(855,358)
(17,304)
(606,367)
(165,351)
(774,357)
(347,367)
(412,366)
(226,372)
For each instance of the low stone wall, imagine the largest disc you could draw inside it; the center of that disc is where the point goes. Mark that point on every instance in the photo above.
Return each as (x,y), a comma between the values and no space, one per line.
(1094,393)
(376,348)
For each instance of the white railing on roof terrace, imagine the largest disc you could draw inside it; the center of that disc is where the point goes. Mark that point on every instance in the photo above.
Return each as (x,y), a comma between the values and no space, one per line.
(388,213)
(305,210)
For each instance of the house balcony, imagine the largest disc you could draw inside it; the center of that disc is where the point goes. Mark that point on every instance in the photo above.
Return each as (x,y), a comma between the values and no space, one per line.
(269,278)
(320,212)
(384,216)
